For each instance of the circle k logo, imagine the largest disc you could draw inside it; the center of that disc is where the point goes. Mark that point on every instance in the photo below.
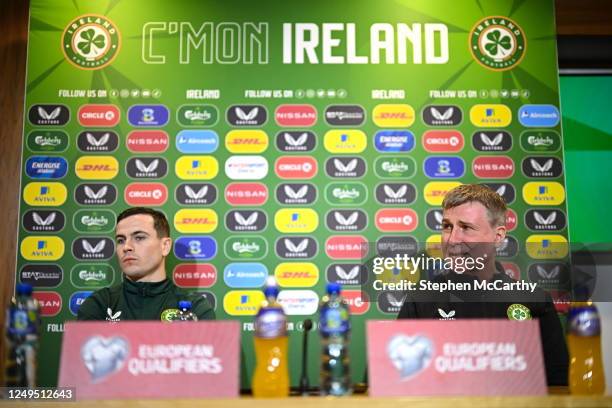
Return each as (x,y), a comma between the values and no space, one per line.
(98,115)
(396,220)
(443,141)
(146,194)
(296,167)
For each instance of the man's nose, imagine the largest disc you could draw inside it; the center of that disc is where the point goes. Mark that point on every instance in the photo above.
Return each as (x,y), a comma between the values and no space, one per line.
(454,237)
(127,246)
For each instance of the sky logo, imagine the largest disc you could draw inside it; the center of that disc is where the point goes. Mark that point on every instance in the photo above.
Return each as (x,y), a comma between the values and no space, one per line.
(539,115)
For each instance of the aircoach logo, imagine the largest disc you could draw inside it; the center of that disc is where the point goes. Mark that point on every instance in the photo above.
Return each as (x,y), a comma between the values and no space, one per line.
(197,248)
(93,248)
(296,247)
(395,167)
(148,115)
(200,221)
(197,115)
(295,115)
(194,275)
(197,167)
(242,221)
(246,167)
(146,194)
(147,141)
(41,248)
(396,220)
(395,193)
(346,193)
(95,194)
(347,274)
(91,41)
(43,221)
(492,141)
(242,302)
(393,115)
(298,220)
(490,115)
(442,115)
(296,141)
(247,115)
(47,141)
(436,190)
(443,141)
(345,141)
(543,193)
(346,220)
(195,194)
(296,274)
(41,275)
(50,303)
(97,141)
(497,43)
(444,167)
(98,115)
(545,220)
(246,193)
(49,115)
(296,167)
(542,167)
(292,194)
(493,167)
(146,167)
(45,194)
(505,190)
(539,115)
(88,221)
(46,167)
(344,115)
(197,141)
(245,275)
(394,141)
(346,247)
(96,167)
(246,141)
(345,167)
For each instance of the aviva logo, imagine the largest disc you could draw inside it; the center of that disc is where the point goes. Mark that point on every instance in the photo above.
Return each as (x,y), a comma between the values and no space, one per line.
(345,141)
(547,246)
(45,194)
(543,193)
(196,167)
(436,190)
(389,116)
(296,274)
(97,167)
(296,220)
(42,248)
(494,115)
(246,141)
(200,221)
(242,302)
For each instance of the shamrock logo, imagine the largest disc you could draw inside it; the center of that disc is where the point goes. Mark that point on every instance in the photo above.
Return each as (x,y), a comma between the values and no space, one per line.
(90,39)
(518,312)
(499,44)
(519,315)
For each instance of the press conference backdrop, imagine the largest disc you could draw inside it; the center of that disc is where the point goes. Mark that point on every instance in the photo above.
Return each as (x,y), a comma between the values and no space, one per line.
(281,140)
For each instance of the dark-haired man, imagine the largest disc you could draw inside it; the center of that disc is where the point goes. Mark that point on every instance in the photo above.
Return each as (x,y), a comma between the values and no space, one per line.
(145,293)
(473,223)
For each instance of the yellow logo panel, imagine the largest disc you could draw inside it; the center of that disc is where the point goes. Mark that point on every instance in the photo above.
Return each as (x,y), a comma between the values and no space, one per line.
(389,116)
(433,246)
(196,167)
(345,141)
(435,191)
(45,194)
(246,141)
(296,220)
(296,274)
(490,115)
(542,246)
(242,302)
(42,248)
(96,167)
(543,193)
(199,221)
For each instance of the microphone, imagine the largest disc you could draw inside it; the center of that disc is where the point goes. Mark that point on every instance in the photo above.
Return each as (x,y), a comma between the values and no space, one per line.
(304,384)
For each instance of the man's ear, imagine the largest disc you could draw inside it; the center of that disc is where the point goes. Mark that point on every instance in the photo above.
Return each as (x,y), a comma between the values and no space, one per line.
(500,234)
(166,246)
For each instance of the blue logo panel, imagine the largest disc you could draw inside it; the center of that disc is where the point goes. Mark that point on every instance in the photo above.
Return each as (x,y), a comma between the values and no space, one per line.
(394,141)
(77,299)
(148,115)
(539,115)
(444,167)
(46,167)
(197,141)
(198,248)
(245,275)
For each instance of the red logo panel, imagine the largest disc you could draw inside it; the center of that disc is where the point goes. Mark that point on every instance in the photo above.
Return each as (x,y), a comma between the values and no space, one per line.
(396,220)
(296,167)
(346,247)
(50,302)
(147,141)
(194,275)
(98,115)
(512,270)
(511,220)
(295,115)
(443,141)
(146,194)
(493,167)
(246,194)
(358,301)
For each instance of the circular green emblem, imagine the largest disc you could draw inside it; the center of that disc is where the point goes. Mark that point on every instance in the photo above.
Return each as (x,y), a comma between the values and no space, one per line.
(91,41)
(169,315)
(517,311)
(497,43)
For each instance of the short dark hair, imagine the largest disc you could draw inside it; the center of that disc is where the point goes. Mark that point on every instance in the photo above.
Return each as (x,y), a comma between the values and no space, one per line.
(160,222)
(493,202)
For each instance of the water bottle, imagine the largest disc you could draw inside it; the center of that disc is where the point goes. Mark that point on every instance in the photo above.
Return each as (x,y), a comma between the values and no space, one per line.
(271,376)
(22,330)
(586,374)
(185,314)
(335,328)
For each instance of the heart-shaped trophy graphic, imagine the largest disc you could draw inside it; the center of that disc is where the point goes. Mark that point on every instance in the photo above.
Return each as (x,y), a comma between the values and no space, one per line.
(410,355)
(104,356)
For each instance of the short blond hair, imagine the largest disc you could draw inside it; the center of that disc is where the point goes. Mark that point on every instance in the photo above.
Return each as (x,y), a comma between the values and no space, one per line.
(466,193)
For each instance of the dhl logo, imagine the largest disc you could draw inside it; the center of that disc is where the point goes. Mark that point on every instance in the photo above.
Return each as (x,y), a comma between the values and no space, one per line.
(196,221)
(296,274)
(393,115)
(97,167)
(246,141)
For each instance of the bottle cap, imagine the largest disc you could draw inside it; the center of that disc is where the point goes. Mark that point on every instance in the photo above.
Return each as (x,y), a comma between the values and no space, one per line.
(24,289)
(184,304)
(271,288)
(333,288)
